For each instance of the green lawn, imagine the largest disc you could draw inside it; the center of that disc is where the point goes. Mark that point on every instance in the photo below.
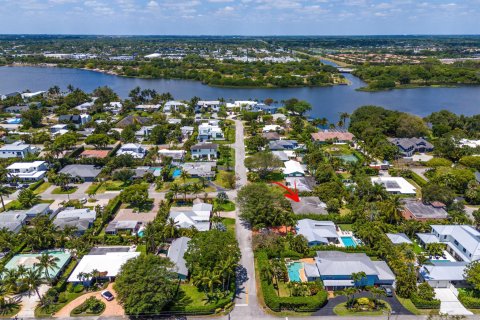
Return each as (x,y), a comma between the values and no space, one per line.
(10,311)
(219,180)
(341,310)
(229,206)
(417,187)
(110,185)
(142,249)
(44,186)
(345,227)
(408,304)
(229,223)
(59,190)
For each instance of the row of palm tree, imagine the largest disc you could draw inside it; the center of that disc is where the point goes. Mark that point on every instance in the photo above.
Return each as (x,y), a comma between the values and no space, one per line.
(185,189)
(217,279)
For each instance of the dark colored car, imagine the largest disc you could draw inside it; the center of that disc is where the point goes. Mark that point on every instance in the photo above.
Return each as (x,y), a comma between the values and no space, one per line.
(107,295)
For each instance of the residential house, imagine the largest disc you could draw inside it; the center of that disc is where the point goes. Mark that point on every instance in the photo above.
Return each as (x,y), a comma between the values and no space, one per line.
(200,169)
(271,136)
(271,128)
(444,274)
(85,107)
(9,95)
(58,128)
(302,184)
(335,136)
(99,154)
(16,109)
(284,155)
(84,172)
(28,171)
(283,145)
(204,151)
(136,150)
(318,232)
(395,185)
(207,131)
(18,149)
(176,251)
(293,169)
(144,132)
(123,226)
(106,260)
(114,107)
(133,119)
(309,205)
(187,131)
(197,216)
(177,156)
(462,241)
(12,221)
(242,105)
(469,143)
(203,105)
(39,209)
(399,238)
(148,107)
(408,146)
(81,219)
(335,269)
(417,210)
(174,121)
(261,107)
(75,119)
(171,106)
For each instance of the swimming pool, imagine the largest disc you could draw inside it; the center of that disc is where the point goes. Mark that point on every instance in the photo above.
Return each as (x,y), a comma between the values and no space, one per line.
(176,173)
(348,242)
(348,157)
(294,271)
(14,121)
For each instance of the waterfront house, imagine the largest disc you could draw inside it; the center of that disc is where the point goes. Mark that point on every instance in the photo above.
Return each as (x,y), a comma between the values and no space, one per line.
(148,107)
(28,171)
(204,151)
(171,106)
(203,105)
(18,149)
(408,146)
(335,136)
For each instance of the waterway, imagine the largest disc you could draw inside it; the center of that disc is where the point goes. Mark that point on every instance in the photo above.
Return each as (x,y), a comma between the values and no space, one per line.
(326,101)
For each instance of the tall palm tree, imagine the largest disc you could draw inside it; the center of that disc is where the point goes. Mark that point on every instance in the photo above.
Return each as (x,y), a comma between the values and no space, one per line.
(393,207)
(343,117)
(47,262)
(186,188)
(33,280)
(357,278)
(175,190)
(4,191)
(196,189)
(184,176)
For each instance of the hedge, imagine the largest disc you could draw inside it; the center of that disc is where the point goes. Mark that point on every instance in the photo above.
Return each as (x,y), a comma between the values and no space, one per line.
(276,303)
(469,301)
(425,304)
(34,186)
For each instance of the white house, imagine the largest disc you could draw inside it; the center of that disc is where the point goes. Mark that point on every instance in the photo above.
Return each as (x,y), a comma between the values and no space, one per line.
(318,232)
(176,155)
(203,105)
(58,128)
(242,105)
(173,106)
(395,185)
(293,169)
(271,128)
(134,149)
(207,131)
(197,216)
(204,151)
(28,171)
(17,149)
(144,132)
(187,131)
(148,107)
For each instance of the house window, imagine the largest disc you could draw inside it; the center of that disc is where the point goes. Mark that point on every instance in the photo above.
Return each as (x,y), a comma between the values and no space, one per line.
(444,237)
(464,250)
(456,242)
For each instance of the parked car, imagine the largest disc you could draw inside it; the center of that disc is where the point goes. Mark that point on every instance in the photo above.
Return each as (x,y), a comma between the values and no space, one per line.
(388,292)
(107,295)
(83,200)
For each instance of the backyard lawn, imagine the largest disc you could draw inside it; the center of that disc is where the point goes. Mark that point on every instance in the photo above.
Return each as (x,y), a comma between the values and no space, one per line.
(229,223)
(59,190)
(41,189)
(229,206)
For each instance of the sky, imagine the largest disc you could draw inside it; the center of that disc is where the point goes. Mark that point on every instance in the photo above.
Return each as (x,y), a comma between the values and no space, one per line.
(240,17)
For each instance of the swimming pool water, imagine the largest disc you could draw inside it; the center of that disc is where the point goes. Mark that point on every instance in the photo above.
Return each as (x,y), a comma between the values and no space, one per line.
(348,158)
(176,173)
(294,271)
(348,242)
(14,121)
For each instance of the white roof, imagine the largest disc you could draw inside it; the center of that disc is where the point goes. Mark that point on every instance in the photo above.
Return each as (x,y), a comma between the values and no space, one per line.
(271,127)
(25,165)
(318,231)
(395,184)
(450,271)
(467,236)
(110,263)
(292,166)
(398,238)
(77,213)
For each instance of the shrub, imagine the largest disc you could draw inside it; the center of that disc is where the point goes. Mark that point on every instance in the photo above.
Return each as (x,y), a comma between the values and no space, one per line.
(78,288)
(425,304)
(62,297)
(35,185)
(469,301)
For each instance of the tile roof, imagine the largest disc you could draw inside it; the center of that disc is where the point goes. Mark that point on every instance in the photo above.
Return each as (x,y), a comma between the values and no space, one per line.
(332,135)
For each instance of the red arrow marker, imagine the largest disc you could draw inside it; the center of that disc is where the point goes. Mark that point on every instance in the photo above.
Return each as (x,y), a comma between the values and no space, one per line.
(292,194)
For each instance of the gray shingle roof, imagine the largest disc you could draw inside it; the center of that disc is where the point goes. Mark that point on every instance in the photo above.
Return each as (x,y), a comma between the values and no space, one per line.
(81,170)
(175,253)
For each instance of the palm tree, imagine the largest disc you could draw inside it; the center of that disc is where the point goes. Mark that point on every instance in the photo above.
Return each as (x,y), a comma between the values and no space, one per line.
(150,235)
(376,293)
(267,273)
(184,176)
(28,198)
(357,278)
(393,207)
(10,279)
(174,189)
(47,262)
(4,191)
(196,189)
(185,190)
(343,117)
(171,228)
(33,280)
(349,293)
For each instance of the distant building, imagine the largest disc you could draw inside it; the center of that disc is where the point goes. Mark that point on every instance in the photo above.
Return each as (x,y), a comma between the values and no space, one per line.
(136,150)
(171,106)
(408,146)
(282,145)
(148,107)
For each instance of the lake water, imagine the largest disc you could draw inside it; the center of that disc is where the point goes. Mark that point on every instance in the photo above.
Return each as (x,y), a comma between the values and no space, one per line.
(326,101)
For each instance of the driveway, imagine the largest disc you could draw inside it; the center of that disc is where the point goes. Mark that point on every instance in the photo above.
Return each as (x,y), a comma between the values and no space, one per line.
(327,310)
(449,303)
(112,308)
(30,302)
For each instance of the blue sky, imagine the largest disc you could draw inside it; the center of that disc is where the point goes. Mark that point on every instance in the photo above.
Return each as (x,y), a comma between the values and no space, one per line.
(240,17)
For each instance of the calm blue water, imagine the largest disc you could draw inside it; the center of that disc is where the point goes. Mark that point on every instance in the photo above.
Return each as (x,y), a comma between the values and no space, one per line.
(294,271)
(326,101)
(176,173)
(348,242)
(14,121)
